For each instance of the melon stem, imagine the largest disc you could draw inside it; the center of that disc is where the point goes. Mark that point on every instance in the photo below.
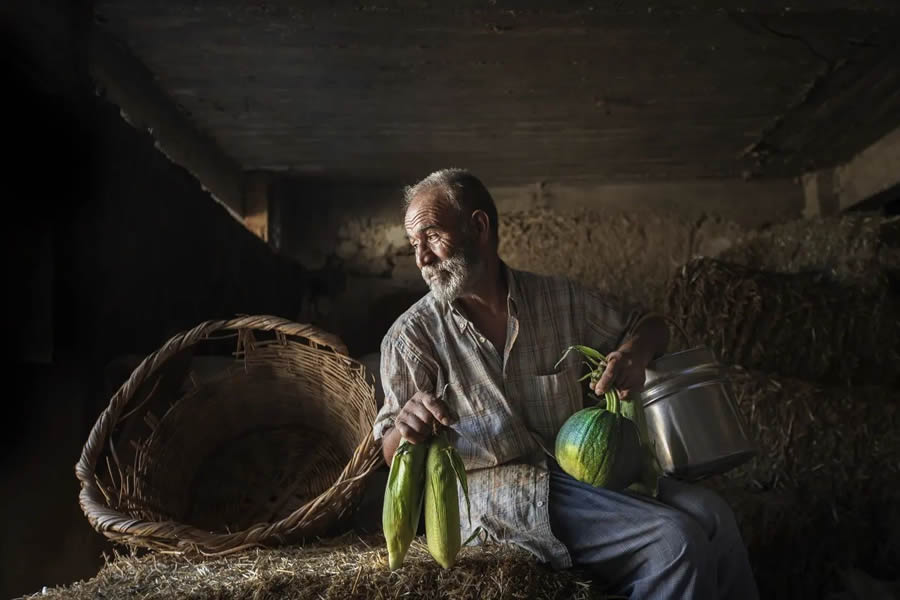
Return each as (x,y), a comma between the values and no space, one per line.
(612,402)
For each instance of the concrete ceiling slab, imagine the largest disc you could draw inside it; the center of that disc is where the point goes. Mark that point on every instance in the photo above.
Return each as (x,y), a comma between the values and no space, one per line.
(527,91)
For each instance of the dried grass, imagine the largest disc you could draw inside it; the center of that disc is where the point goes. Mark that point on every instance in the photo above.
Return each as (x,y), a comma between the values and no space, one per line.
(823,493)
(347,568)
(800,325)
(798,543)
(831,440)
(849,248)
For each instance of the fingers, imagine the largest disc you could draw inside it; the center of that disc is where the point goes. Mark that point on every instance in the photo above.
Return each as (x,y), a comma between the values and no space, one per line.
(412,429)
(420,411)
(610,373)
(417,417)
(438,409)
(622,374)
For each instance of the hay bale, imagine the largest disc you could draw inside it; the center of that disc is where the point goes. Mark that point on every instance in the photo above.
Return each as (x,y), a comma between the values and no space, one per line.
(801,325)
(822,495)
(798,543)
(343,569)
(834,441)
(849,248)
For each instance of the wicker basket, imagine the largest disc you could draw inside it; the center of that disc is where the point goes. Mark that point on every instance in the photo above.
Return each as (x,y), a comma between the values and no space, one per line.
(272,449)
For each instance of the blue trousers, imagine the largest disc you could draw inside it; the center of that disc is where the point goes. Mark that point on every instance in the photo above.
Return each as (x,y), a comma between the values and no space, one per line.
(684,545)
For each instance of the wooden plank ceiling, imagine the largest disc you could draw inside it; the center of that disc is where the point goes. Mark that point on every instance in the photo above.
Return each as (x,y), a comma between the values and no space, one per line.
(526,92)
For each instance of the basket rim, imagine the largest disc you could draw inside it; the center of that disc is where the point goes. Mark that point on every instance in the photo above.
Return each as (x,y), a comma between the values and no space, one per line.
(171,535)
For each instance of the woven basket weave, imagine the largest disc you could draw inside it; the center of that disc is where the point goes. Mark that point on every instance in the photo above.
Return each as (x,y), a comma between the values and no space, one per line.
(273,448)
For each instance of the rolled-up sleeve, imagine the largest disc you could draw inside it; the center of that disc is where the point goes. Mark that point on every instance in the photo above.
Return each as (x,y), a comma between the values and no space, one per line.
(404,371)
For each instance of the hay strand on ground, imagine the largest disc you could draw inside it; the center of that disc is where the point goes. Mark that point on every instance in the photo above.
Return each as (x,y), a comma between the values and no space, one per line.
(347,568)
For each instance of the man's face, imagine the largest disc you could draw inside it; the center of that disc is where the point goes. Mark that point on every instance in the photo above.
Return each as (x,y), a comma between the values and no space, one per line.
(445,253)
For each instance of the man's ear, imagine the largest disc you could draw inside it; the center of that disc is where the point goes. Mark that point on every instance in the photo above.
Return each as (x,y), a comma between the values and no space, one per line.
(482,224)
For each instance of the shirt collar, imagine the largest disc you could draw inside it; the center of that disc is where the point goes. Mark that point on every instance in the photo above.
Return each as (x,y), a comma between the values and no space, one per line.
(512,286)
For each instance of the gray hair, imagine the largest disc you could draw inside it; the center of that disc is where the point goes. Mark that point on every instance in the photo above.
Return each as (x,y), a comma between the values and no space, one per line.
(462,189)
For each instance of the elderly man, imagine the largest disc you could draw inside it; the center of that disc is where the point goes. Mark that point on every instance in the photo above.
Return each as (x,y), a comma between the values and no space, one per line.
(476,354)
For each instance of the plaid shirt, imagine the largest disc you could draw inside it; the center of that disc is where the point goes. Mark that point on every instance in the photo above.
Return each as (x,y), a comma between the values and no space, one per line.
(510,407)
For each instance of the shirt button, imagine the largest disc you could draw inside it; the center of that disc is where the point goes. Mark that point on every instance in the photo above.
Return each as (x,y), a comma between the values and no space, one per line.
(540,503)
(481,339)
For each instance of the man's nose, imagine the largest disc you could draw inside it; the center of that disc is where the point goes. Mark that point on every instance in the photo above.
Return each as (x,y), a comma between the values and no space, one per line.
(424,256)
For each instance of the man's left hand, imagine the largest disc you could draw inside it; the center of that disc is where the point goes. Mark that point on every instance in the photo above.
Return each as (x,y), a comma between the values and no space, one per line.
(625,371)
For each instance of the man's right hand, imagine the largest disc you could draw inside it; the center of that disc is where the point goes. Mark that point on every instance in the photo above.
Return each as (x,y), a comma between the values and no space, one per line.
(416,419)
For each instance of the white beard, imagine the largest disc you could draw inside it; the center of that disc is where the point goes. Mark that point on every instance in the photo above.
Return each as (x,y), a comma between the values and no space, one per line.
(448,278)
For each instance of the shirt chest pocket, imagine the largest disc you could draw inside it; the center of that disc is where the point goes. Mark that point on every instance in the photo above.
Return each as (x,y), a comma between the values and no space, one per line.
(556,397)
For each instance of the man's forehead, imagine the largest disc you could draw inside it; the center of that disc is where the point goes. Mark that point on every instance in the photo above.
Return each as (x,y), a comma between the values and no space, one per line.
(429,208)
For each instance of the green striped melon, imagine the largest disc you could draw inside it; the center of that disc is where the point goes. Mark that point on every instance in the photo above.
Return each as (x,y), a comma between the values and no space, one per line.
(601,448)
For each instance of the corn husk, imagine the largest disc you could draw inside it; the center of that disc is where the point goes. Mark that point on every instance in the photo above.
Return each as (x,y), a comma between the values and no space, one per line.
(442,524)
(403,498)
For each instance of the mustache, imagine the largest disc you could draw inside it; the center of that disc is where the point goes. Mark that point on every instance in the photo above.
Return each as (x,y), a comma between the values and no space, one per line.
(443,266)
(432,270)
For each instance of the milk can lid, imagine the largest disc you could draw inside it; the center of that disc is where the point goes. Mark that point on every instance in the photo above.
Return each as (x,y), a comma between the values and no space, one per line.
(669,365)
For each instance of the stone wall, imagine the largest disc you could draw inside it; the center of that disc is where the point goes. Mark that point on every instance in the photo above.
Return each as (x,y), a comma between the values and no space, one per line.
(630,249)
(631,254)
